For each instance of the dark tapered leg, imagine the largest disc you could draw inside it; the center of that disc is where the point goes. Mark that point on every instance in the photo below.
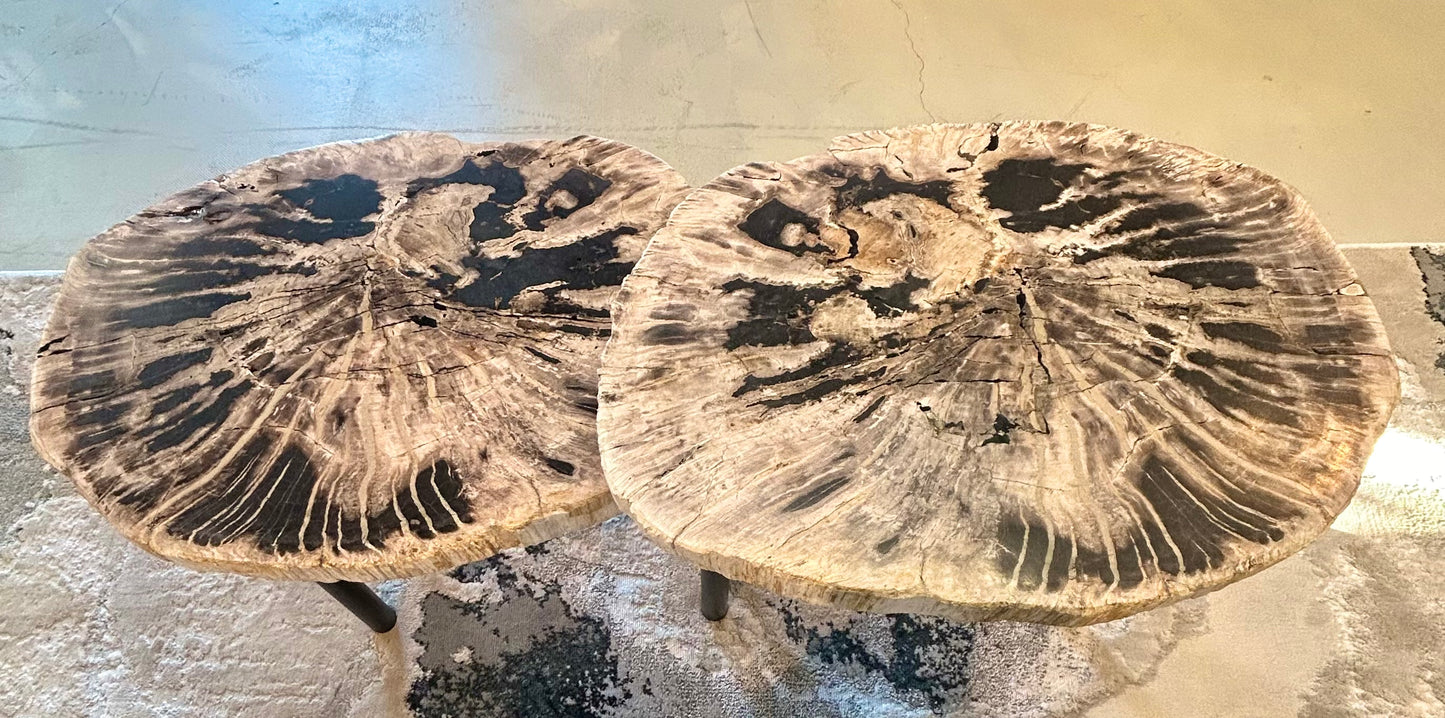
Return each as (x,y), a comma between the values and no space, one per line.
(715,588)
(362,601)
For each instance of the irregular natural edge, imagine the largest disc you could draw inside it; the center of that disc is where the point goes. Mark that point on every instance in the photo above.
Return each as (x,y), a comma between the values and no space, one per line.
(793,585)
(438,554)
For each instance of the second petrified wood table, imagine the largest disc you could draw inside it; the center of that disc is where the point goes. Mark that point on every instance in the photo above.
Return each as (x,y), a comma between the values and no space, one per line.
(1033,371)
(354,362)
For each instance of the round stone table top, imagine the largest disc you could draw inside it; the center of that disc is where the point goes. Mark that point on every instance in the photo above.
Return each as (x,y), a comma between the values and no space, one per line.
(358,361)
(1045,372)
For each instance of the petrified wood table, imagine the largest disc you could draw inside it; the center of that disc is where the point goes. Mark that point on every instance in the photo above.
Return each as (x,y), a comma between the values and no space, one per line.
(1033,371)
(353,362)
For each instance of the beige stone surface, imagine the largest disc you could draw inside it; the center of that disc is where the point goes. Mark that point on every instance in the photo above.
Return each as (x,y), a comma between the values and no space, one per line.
(359,361)
(1043,372)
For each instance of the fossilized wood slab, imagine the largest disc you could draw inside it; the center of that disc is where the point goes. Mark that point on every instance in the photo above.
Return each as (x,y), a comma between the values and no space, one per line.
(357,361)
(1033,371)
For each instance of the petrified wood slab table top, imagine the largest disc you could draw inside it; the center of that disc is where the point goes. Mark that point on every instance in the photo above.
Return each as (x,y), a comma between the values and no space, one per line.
(357,361)
(1034,371)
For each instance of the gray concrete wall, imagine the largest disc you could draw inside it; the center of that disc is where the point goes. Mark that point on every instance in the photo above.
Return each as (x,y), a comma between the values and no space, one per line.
(108,105)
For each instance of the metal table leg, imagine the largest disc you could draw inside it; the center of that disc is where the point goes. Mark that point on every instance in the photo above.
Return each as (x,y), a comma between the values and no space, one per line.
(366,605)
(715,589)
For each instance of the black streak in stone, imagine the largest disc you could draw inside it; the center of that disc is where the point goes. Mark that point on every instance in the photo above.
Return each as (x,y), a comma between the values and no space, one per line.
(343,201)
(433,497)
(1254,336)
(1247,369)
(674,311)
(766,223)
(868,410)
(1001,428)
(820,390)
(1231,401)
(777,313)
(160,370)
(1230,520)
(220,502)
(271,510)
(857,191)
(1259,510)
(507,184)
(583,186)
(104,414)
(449,487)
(381,524)
(1151,215)
(489,222)
(1035,551)
(1152,249)
(886,545)
(1201,542)
(207,416)
(411,513)
(813,495)
(667,333)
(215,246)
(283,499)
(542,355)
(1013,546)
(1058,573)
(348,197)
(1020,185)
(1225,274)
(585,264)
(560,466)
(837,355)
(1131,560)
(894,299)
(489,218)
(196,276)
(168,312)
(173,399)
(1159,332)
(1024,187)
(308,232)
(90,385)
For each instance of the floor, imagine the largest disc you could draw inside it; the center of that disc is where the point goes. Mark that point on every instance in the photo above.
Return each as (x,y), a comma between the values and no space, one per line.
(106,106)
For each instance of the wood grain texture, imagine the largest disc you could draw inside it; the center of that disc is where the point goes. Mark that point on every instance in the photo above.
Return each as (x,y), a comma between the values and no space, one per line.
(357,361)
(1031,371)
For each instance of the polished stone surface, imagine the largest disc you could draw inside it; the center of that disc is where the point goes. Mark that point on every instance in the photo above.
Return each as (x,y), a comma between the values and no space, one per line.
(108,105)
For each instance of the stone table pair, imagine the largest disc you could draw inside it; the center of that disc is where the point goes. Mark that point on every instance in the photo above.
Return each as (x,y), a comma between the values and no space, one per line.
(1031,371)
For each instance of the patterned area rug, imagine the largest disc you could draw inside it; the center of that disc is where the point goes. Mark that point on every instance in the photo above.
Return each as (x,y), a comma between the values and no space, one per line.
(602,623)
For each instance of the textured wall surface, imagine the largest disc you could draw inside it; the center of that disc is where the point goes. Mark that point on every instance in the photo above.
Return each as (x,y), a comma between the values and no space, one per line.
(108,105)
(601,623)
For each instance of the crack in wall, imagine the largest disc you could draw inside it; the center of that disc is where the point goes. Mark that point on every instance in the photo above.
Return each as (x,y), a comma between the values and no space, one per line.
(908,34)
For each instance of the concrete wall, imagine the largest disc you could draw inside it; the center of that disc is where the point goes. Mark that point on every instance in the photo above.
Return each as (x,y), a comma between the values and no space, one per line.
(108,105)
